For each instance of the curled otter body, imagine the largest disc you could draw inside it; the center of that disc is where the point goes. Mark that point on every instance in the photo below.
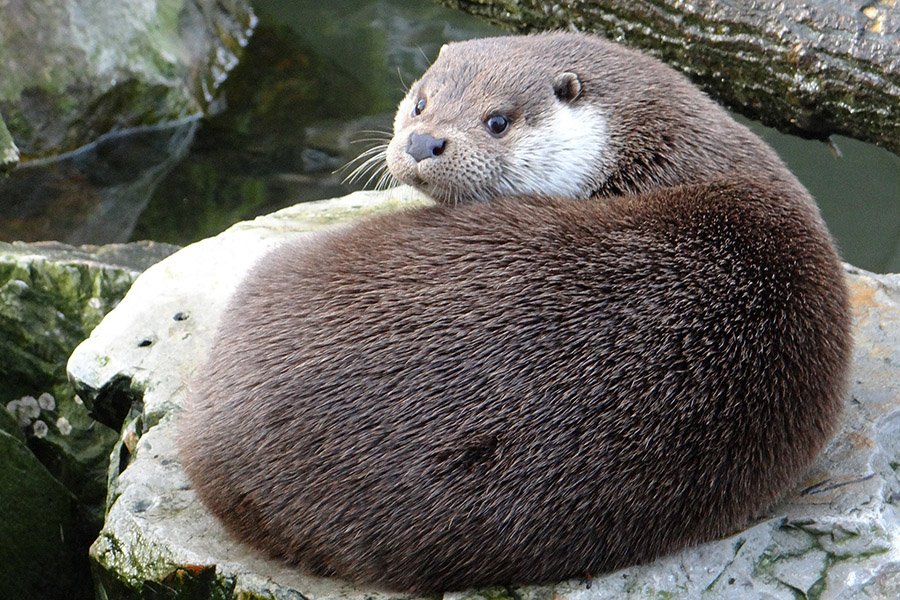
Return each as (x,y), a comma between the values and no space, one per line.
(607,343)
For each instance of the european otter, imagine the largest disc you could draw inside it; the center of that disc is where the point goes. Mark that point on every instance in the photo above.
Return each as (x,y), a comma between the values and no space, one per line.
(624,331)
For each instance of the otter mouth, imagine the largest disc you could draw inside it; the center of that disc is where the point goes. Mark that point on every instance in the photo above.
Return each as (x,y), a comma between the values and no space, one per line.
(409,174)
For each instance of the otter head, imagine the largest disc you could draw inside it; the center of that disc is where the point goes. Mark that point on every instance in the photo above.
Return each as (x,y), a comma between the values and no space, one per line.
(492,119)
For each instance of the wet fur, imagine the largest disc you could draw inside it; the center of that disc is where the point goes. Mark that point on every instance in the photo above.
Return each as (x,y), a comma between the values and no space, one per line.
(533,389)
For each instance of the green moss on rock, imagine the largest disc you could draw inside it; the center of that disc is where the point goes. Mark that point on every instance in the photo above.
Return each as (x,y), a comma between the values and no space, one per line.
(103,66)
(9,154)
(54,456)
(39,531)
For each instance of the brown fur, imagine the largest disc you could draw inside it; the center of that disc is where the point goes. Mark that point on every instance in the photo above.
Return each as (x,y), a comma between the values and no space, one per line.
(533,389)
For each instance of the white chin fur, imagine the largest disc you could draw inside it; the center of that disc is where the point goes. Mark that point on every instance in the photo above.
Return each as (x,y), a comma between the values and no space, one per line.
(564,156)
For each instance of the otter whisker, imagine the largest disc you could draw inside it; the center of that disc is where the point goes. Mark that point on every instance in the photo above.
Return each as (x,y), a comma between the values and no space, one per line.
(375,173)
(362,169)
(379,131)
(365,140)
(458,194)
(365,175)
(402,83)
(422,52)
(384,136)
(386,181)
(373,151)
(378,177)
(372,165)
(371,134)
(359,165)
(367,160)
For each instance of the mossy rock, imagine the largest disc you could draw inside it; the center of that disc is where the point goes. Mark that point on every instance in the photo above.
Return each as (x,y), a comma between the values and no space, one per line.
(74,71)
(54,455)
(38,530)
(9,154)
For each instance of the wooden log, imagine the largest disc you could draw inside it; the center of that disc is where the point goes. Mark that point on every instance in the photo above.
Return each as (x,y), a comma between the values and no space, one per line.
(811,68)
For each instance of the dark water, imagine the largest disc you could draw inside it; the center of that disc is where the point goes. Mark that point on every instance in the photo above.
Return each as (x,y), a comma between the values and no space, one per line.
(858,193)
(318,75)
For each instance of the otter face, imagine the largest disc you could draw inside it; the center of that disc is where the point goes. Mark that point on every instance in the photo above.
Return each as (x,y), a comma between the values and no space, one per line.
(481,124)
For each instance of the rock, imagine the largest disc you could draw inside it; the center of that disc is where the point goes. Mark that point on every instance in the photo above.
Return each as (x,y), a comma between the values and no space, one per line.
(38,529)
(96,194)
(76,70)
(156,532)
(9,154)
(103,99)
(836,536)
(54,457)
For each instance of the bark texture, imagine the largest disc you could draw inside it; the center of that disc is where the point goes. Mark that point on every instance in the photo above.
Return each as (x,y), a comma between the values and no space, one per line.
(810,68)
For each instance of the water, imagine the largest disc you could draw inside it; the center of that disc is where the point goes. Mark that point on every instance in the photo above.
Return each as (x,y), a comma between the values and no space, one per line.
(95,194)
(858,193)
(316,77)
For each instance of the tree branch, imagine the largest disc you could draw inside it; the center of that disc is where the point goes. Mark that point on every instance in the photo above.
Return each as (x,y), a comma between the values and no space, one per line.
(811,68)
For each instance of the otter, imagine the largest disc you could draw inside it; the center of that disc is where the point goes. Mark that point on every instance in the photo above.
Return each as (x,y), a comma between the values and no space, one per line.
(622,330)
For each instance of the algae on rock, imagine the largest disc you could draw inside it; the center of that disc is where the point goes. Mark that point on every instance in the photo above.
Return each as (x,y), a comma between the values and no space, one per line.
(9,154)
(76,70)
(54,456)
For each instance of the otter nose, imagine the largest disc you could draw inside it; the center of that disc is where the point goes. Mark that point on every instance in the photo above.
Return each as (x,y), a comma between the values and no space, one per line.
(422,146)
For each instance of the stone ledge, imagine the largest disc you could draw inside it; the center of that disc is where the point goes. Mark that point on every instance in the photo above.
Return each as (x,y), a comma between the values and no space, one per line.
(836,536)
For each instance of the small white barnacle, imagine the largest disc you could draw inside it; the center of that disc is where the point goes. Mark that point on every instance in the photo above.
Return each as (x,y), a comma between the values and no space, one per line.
(63,425)
(16,409)
(29,408)
(46,401)
(40,429)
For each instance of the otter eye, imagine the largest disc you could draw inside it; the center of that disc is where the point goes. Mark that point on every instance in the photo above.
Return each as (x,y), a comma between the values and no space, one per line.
(497,124)
(419,107)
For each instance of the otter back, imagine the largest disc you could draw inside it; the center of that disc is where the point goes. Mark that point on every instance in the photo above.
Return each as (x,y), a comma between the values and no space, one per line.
(528,389)
(521,393)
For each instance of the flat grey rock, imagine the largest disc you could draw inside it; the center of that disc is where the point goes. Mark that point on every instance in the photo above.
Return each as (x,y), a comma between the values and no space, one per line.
(837,536)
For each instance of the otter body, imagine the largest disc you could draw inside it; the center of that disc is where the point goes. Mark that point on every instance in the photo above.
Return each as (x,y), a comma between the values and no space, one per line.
(623,331)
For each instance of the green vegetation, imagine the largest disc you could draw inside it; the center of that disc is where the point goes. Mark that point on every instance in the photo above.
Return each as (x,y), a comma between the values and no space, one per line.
(53,456)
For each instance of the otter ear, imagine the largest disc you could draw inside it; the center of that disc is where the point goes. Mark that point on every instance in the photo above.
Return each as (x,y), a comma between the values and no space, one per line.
(567,86)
